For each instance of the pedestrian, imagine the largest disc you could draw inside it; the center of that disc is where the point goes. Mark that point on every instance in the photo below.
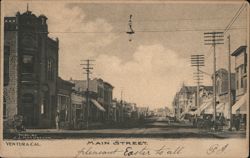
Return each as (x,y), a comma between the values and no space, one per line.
(237,122)
(57,120)
(195,121)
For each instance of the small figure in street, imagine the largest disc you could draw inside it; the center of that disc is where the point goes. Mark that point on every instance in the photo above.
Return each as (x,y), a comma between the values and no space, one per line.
(57,120)
(18,123)
(195,121)
(237,122)
(221,122)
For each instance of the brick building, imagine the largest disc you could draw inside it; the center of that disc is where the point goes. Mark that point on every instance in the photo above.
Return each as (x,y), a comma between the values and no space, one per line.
(31,70)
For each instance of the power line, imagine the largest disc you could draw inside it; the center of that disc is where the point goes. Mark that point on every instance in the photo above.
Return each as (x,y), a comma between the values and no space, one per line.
(143,31)
(167,20)
(235,17)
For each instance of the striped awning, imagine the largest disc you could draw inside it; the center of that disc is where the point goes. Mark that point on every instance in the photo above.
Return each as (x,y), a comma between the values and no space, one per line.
(206,105)
(240,105)
(98,105)
(220,108)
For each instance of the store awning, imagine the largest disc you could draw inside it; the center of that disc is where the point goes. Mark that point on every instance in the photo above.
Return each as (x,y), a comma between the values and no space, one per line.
(209,110)
(98,105)
(240,105)
(207,104)
(76,99)
(220,108)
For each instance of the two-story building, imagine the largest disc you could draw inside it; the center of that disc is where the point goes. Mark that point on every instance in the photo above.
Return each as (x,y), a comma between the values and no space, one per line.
(101,94)
(222,95)
(185,100)
(64,105)
(31,70)
(242,97)
(78,110)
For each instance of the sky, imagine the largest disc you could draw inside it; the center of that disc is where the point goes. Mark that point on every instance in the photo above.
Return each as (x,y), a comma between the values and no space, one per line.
(151,68)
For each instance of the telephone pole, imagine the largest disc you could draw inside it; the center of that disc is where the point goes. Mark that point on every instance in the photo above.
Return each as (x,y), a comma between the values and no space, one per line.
(122,112)
(198,61)
(214,38)
(229,85)
(87,67)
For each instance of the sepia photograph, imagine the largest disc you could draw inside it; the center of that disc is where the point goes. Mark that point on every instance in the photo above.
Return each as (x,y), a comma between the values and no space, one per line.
(124,78)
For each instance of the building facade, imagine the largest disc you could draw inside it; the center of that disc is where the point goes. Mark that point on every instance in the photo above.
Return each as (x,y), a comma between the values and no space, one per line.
(78,110)
(185,100)
(31,70)
(221,78)
(64,105)
(101,94)
(241,64)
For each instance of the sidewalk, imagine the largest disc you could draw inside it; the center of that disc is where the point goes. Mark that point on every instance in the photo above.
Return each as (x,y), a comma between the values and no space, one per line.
(163,133)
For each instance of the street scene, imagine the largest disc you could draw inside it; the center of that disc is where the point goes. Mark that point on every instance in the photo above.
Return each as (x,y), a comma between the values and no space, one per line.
(125,70)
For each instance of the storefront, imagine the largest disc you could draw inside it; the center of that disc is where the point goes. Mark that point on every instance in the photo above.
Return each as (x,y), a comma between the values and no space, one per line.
(239,110)
(96,111)
(78,110)
(240,106)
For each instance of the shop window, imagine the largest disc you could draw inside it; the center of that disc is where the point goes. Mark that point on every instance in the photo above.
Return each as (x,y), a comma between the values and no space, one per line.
(78,114)
(44,105)
(50,69)
(42,108)
(62,115)
(28,64)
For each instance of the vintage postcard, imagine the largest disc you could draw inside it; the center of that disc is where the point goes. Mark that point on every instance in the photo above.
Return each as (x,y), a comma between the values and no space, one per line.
(123,78)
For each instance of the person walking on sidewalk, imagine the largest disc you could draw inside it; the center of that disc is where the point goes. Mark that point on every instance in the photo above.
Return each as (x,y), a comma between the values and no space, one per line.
(237,122)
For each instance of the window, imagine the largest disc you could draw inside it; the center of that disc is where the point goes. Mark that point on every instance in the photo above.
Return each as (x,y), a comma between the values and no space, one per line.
(100,92)
(245,62)
(237,79)
(44,104)
(241,82)
(6,64)
(42,109)
(106,98)
(4,108)
(63,105)
(28,64)
(241,75)
(218,87)
(50,69)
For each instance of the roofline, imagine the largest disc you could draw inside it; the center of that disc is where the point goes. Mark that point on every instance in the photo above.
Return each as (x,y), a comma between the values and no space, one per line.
(238,50)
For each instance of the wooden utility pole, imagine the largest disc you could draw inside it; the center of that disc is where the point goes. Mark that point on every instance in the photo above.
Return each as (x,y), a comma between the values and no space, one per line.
(197,61)
(122,111)
(87,68)
(229,85)
(214,38)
